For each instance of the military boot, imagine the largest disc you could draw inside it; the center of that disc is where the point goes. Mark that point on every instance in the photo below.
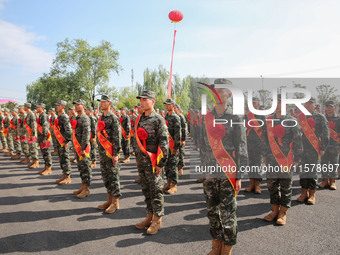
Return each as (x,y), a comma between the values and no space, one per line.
(4,149)
(126,159)
(304,195)
(324,184)
(216,247)
(167,186)
(26,160)
(145,223)
(281,219)
(114,205)
(76,192)
(180,170)
(311,197)
(10,153)
(55,152)
(251,186)
(257,187)
(85,192)
(156,224)
(93,164)
(226,249)
(273,214)
(173,189)
(42,170)
(66,180)
(17,156)
(47,171)
(106,204)
(332,185)
(62,178)
(35,164)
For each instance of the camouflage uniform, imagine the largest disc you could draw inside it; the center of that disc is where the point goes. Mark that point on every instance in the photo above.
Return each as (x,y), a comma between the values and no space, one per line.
(308,174)
(331,156)
(126,125)
(2,136)
(32,123)
(22,131)
(219,192)
(174,128)
(9,138)
(110,173)
(280,183)
(152,185)
(181,152)
(54,139)
(46,153)
(93,153)
(15,135)
(63,153)
(82,134)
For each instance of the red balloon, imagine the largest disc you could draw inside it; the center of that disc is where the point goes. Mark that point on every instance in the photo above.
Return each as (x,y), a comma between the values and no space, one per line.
(175,16)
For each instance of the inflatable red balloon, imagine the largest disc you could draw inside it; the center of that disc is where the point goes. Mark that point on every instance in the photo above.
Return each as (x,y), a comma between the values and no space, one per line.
(175,16)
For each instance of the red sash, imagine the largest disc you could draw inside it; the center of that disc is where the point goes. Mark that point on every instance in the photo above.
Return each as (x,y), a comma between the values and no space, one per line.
(77,147)
(104,142)
(12,125)
(58,135)
(220,154)
(126,137)
(334,135)
(171,144)
(155,158)
(29,130)
(5,131)
(257,129)
(309,133)
(283,161)
(40,129)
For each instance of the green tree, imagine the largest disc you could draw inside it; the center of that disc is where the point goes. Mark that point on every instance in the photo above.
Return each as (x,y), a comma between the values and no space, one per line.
(326,93)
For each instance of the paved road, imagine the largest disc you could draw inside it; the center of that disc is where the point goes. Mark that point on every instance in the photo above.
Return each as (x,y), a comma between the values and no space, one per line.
(39,216)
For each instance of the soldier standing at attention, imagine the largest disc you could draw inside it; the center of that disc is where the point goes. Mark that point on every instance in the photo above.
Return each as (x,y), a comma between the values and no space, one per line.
(2,136)
(331,156)
(109,143)
(126,126)
(283,149)
(63,133)
(93,119)
(72,115)
(53,117)
(44,137)
(173,122)
(30,124)
(152,139)
(81,141)
(224,145)
(15,134)
(315,140)
(183,137)
(22,132)
(255,147)
(7,132)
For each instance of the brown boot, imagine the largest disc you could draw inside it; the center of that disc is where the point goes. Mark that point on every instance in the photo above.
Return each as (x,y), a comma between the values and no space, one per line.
(226,249)
(200,180)
(10,153)
(47,171)
(62,178)
(66,180)
(257,187)
(74,160)
(35,164)
(145,223)
(26,160)
(106,204)
(93,164)
(126,159)
(180,171)
(173,189)
(311,197)
(85,192)
(216,247)
(76,192)
(4,149)
(55,152)
(137,181)
(304,195)
(281,219)
(17,156)
(251,186)
(324,184)
(332,185)
(114,205)
(167,186)
(42,170)
(156,224)
(273,214)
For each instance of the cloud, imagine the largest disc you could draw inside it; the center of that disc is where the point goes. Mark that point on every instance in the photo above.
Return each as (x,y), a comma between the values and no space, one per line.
(17,47)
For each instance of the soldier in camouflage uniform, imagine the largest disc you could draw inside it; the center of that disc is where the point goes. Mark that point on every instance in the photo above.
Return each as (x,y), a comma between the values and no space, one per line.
(287,139)
(126,126)
(153,138)
(15,134)
(72,116)
(132,115)
(9,138)
(53,117)
(318,125)
(219,192)
(109,133)
(81,126)
(2,136)
(173,122)
(93,119)
(43,138)
(63,126)
(255,145)
(22,132)
(331,156)
(181,152)
(31,122)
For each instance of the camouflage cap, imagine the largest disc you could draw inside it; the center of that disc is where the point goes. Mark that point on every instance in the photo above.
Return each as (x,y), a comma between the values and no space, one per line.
(71,108)
(61,102)
(147,94)
(42,105)
(261,107)
(29,105)
(15,110)
(220,81)
(330,103)
(256,100)
(80,101)
(124,108)
(51,109)
(104,98)
(89,108)
(312,99)
(317,106)
(169,101)
(20,106)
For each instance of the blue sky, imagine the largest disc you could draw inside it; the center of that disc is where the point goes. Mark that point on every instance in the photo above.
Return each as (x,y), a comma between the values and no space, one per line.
(229,38)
